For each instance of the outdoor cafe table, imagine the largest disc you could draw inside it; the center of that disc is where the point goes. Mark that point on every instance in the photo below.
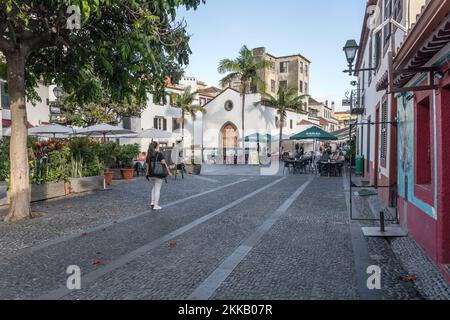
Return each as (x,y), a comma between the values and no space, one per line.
(330,165)
(296,164)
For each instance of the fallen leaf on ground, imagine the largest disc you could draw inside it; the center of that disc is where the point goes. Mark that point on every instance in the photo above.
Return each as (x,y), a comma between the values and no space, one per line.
(96,262)
(410,278)
(172,245)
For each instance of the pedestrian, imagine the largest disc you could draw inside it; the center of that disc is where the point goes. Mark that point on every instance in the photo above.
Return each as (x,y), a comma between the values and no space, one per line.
(157,170)
(301,151)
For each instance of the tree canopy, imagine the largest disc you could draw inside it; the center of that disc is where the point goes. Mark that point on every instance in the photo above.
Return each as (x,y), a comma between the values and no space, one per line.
(126,48)
(92,49)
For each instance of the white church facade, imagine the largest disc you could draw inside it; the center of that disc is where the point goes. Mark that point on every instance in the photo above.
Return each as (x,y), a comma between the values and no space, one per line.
(216,136)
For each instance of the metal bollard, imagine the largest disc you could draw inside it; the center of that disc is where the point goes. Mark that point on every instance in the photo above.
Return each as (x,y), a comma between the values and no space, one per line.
(382,222)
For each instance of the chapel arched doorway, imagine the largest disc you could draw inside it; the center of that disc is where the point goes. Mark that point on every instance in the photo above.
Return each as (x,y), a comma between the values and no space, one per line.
(229,140)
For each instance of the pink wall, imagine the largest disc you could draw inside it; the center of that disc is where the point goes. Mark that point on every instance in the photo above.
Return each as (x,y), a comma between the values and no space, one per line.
(422,227)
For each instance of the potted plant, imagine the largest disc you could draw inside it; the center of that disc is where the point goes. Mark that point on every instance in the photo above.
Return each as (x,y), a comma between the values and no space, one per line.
(127,154)
(108,153)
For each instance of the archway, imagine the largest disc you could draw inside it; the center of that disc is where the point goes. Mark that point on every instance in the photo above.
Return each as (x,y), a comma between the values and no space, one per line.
(229,142)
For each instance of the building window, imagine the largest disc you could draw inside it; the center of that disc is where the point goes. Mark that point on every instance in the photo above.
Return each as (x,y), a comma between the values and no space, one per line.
(301,67)
(283,84)
(203,101)
(272,65)
(306,88)
(160,123)
(306,69)
(284,67)
(398,10)
(291,124)
(176,124)
(229,105)
(387,15)
(423,141)
(273,85)
(384,133)
(301,86)
(377,49)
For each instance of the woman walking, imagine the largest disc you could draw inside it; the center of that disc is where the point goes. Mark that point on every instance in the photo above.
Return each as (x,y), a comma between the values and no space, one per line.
(157,170)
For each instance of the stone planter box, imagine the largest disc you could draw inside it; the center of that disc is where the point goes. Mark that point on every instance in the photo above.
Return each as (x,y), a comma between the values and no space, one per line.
(61,189)
(47,191)
(80,185)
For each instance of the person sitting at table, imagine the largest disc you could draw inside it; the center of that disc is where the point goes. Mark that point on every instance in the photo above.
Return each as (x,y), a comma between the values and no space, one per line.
(325,156)
(340,157)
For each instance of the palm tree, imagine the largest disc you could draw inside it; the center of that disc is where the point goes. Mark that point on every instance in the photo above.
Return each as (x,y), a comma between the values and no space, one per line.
(286,99)
(245,69)
(185,102)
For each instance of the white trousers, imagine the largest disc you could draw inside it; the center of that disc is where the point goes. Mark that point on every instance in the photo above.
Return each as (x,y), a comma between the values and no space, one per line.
(156,191)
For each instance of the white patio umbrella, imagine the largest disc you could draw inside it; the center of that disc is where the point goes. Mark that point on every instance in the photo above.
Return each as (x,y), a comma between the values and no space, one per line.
(51,130)
(155,134)
(104,130)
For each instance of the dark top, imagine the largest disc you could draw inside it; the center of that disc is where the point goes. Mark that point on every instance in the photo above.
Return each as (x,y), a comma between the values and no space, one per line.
(157,155)
(325,157)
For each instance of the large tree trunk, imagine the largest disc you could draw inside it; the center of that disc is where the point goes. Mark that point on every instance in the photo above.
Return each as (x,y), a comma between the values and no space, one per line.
(19,186)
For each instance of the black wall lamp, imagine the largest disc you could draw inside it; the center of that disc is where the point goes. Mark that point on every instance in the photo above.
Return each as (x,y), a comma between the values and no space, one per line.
(351,49)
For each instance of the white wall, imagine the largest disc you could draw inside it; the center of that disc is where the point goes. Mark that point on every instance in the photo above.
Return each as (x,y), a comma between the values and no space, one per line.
(258,119)
(38,113)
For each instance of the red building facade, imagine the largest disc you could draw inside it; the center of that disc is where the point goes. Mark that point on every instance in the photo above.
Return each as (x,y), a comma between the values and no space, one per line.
(421,78)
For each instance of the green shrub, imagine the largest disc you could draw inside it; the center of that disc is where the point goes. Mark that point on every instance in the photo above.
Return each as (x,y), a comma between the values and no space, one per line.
(4,160)
(84,160)
(108,153)
(57,168)
(127,153)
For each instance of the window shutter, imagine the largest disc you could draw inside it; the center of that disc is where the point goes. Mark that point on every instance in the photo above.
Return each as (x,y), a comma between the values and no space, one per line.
(155,123)
(165,124)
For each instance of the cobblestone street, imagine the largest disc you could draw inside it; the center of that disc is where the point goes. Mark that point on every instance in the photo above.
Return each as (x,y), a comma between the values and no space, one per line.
(218,237)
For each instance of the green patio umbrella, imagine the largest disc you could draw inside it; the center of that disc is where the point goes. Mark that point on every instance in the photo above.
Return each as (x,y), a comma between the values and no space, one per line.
(314,133)
(258,137)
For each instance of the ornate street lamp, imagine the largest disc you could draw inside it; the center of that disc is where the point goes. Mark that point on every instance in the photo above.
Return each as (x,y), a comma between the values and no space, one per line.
(350,49)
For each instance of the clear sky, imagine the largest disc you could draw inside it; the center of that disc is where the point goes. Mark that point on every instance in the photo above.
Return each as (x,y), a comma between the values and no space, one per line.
(317,29)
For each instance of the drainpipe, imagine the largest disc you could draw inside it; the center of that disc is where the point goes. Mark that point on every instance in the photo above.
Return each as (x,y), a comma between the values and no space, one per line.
(435,209)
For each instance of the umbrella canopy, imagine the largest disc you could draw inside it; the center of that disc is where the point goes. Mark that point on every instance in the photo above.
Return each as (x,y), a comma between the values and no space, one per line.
(51,129)
(258,137)
(283,138)
(314,133)
(155,134)
(103,130)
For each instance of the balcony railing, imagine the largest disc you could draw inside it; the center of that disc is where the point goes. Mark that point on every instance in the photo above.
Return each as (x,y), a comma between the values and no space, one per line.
(357,99)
